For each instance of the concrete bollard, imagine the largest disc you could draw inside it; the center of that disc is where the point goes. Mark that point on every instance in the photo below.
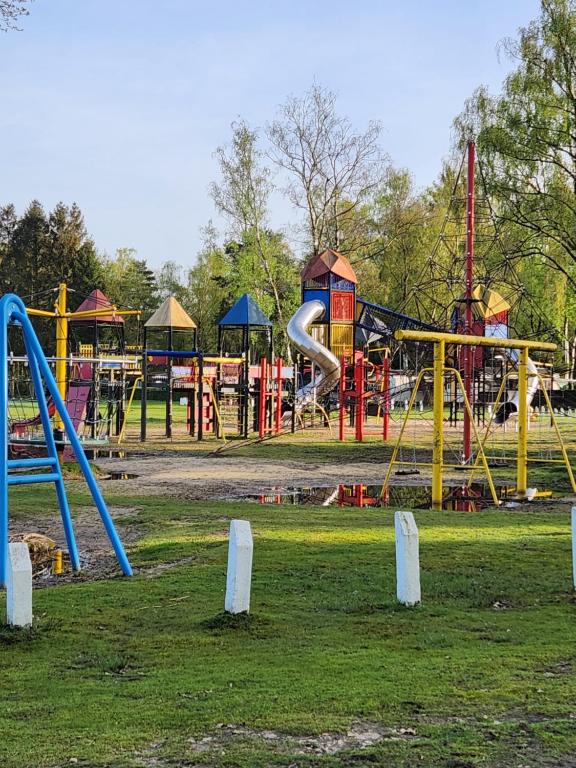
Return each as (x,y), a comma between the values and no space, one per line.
(19,586)
(574,547)
(407,558)
(239,574)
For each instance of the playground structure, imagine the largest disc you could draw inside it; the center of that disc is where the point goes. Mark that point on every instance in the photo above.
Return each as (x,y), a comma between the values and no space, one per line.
(19,472)
(243,390)
(93,377)
(358,365)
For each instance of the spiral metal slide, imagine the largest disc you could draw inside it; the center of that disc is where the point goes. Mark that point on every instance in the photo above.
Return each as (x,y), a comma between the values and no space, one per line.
(327,363)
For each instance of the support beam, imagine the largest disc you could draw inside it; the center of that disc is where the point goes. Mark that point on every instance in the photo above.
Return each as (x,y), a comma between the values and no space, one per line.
(468,317)
(474,341)
(438,437)
(61,346)
(522,452)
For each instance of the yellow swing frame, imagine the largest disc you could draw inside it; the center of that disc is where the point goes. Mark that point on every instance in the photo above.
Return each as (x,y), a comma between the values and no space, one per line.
(439,370)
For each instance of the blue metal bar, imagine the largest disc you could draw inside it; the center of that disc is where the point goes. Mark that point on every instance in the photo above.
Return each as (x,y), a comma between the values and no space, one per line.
(52,451)
(47,461)
(33,344)
(49,477)
(4,440)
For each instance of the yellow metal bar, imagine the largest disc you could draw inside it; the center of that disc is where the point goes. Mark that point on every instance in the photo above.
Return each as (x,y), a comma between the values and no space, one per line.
(101,313)
(393,460)
(223,360)
(61,346)
(473,341)
(39,312)
(522,450)
(221,430)
(128,408)
(323,411)
(438,439)
(57,563)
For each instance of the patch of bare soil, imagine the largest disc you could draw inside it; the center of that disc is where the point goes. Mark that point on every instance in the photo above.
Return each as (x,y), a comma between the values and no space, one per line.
(96,557)
(359,736)
(197,477)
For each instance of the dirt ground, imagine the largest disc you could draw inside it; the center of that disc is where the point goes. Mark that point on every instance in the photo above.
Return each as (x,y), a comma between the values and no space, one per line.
(231,477)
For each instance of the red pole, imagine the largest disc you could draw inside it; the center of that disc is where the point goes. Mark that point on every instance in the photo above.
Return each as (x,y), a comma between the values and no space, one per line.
(262,399)
(468,354)
(359,394)
(386,403)
(278,394)
(342,398)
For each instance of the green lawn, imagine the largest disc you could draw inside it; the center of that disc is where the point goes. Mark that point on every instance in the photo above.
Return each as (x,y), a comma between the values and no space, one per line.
(125,672)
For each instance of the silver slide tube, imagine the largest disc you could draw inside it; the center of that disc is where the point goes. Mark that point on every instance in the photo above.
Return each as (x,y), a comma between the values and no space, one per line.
(327,363)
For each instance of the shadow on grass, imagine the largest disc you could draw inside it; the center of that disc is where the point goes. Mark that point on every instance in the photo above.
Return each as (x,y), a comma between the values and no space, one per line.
(240,623)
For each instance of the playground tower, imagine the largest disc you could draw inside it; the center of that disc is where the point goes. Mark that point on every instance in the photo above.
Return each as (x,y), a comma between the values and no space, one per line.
(329,278)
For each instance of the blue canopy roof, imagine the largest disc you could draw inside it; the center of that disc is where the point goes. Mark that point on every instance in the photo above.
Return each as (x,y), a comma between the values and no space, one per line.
(245,312)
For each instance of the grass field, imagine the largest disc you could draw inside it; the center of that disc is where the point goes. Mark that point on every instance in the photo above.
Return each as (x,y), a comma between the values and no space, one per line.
(148,671)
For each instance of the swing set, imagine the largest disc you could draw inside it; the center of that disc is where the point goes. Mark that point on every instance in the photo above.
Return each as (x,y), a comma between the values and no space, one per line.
(18,472)
(440,371)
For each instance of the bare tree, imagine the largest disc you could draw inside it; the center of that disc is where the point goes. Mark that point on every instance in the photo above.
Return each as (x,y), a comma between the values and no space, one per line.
(11,11)
(332,169)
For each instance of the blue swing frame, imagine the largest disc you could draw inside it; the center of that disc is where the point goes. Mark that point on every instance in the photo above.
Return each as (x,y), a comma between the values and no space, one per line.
(13,313)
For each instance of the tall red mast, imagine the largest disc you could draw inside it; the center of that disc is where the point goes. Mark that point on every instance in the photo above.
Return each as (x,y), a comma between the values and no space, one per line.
(468,352)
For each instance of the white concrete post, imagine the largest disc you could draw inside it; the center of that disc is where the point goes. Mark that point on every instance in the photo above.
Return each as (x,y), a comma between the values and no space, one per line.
(239,574)
(574,547)
(19,586)
(407,559)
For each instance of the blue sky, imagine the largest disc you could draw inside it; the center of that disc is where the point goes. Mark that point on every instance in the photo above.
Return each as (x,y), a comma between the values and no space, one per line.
(119,104)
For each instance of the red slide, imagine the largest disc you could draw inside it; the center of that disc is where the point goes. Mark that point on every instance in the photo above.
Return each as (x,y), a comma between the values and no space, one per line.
(18,428)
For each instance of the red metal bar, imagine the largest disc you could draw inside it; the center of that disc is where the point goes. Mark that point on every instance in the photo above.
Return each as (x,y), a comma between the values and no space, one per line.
(262,398)
(386,403)
(342,399)
(279,365)
(359,394)
(468,356)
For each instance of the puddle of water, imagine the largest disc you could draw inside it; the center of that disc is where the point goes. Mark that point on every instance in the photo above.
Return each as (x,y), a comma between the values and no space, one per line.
(120,476)
(456,497)
(105,453)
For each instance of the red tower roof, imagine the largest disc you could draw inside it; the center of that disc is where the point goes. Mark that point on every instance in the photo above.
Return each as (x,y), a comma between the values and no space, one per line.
(97,300)
(329,261)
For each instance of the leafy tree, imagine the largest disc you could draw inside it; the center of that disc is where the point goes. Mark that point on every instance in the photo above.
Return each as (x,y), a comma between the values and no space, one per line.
(259,257)
(26,264)
(73,255)
(209,290)
(130,284)
(170,281)
(527,142)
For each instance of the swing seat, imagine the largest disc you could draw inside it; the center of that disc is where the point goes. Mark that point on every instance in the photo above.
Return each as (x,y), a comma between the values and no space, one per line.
(412,471)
